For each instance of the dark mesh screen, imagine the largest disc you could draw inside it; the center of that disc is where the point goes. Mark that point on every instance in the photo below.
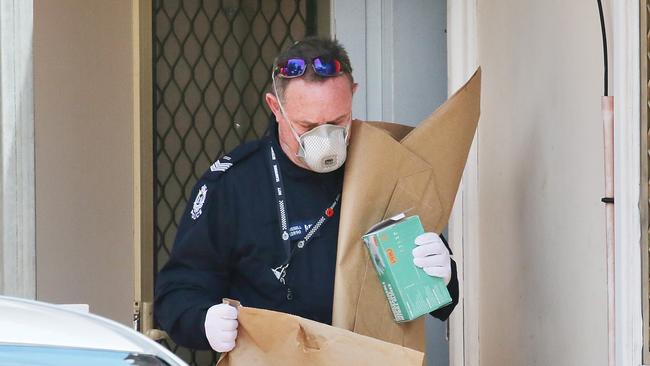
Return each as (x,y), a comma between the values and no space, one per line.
(211,67)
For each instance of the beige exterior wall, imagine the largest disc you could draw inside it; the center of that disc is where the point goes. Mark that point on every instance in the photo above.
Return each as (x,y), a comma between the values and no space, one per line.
(543,297)
(84,179)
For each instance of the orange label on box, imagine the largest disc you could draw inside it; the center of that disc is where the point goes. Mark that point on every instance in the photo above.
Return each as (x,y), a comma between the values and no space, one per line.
(391,256)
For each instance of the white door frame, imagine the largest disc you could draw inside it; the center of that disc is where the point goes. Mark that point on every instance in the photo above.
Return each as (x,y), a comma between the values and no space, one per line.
(627,138)
(17,208)
(367,34)
(462,61)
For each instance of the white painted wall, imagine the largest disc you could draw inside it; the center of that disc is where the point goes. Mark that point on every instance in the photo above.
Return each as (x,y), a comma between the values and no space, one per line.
(84,175)
(542,243)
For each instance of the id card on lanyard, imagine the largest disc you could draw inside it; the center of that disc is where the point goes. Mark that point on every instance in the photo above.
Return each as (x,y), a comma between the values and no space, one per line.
(280,271)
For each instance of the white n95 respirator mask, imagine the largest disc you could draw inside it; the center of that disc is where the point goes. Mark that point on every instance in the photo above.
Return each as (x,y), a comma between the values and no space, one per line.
(324,148)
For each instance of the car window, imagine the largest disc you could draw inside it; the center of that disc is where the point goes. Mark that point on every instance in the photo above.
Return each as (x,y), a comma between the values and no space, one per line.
(26,355)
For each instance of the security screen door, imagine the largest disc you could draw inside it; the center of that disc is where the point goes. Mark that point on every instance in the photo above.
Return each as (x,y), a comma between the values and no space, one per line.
(211,67)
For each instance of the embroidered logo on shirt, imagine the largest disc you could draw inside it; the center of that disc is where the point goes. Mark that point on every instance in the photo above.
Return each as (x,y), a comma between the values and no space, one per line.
(198,202)
(218,166)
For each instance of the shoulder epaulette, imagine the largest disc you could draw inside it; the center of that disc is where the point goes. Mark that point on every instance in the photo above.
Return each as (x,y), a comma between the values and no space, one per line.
(227,161)
(216,170)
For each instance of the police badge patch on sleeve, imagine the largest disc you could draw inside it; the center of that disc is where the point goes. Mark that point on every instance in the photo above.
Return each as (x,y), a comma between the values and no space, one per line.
(198,202)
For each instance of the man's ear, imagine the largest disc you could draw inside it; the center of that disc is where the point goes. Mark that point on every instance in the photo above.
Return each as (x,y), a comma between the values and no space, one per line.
(272,102)
(354,88)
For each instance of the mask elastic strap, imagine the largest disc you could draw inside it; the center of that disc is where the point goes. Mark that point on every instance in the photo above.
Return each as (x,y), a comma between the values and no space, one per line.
(347,132)
(284,114)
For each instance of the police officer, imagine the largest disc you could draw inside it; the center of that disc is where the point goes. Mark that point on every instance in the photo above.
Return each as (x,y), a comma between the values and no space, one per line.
(262,225)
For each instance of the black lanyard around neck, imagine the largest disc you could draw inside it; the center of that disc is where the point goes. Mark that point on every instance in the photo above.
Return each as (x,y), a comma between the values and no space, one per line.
(276,176)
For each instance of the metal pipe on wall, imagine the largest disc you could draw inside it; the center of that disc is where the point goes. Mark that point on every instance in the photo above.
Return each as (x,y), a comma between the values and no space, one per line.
(607,106)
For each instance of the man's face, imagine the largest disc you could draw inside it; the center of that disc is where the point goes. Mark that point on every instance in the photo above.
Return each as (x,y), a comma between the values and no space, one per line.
(309,105)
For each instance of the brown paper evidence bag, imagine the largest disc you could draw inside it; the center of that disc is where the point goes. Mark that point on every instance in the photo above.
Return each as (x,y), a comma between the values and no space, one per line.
(390,168)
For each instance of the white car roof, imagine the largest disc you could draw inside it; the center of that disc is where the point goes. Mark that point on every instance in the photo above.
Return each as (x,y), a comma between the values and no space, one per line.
(38,323)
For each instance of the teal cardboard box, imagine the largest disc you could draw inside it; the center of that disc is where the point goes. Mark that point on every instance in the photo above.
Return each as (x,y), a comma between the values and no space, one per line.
(410,291)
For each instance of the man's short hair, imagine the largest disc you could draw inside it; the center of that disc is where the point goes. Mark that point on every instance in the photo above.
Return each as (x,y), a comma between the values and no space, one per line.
(308,49)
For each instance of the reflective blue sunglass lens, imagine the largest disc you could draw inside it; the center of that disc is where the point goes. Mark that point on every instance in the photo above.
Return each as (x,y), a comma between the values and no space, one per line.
(294,67)
(326,67)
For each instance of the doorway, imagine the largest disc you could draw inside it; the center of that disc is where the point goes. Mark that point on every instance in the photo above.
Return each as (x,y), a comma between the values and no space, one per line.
(210,70)
(400,49)
(211,67)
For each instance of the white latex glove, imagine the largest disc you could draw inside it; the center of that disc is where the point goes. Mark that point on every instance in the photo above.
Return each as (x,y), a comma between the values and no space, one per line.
(221,327)
(432,255)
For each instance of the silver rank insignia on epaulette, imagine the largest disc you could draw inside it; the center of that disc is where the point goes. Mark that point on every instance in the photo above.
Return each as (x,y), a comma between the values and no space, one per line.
(219,166)
(198,202)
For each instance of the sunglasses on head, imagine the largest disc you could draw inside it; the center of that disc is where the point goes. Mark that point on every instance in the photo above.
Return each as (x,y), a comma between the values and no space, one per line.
(296,67)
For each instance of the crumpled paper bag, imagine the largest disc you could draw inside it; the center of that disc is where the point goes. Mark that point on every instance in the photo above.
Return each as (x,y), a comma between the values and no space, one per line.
(271,338)
(391,168)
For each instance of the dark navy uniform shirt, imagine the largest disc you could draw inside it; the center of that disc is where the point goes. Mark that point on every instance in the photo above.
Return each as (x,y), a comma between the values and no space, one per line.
(229,240)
